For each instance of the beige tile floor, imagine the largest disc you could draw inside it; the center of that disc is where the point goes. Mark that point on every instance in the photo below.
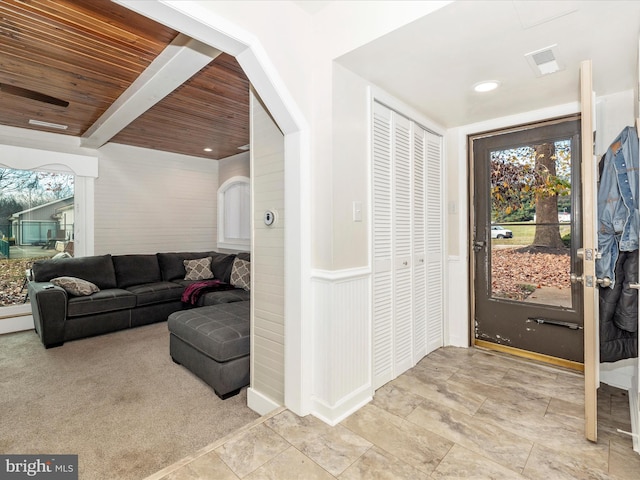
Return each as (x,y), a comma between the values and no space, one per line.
(460,413)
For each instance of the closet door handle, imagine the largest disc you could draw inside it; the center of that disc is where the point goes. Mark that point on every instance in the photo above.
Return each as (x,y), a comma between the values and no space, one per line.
(606,282)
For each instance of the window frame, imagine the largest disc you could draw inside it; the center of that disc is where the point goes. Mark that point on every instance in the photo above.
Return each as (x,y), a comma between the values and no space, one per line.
(85,170)
(232,243)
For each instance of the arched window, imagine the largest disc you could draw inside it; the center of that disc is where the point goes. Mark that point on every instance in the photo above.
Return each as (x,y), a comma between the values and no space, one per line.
(234,214)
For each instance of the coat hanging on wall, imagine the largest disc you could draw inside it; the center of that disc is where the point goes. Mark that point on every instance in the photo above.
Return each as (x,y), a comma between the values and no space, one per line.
(618,239)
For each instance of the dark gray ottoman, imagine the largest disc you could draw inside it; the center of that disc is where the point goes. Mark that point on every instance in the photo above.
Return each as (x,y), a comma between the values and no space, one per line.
(213,343)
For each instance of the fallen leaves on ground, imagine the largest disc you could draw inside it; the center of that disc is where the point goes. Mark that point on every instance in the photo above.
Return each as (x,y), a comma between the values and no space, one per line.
(516,273)
(12,275)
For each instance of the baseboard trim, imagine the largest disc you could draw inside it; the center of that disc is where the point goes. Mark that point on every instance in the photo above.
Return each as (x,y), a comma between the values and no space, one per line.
(634,408)
(619,374)
(260,403)
(16,324)
(334,414)
(540,357)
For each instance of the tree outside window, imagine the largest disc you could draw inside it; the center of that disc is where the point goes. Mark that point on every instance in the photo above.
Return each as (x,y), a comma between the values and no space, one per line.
(36,216)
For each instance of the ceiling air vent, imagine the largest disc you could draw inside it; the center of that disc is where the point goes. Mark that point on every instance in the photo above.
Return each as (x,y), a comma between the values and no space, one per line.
(544,61)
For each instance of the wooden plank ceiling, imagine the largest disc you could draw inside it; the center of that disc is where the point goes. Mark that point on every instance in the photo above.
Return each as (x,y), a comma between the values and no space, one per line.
(87,53)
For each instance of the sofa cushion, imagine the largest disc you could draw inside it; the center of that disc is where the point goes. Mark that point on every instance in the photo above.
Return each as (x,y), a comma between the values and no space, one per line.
(221,264)
(198,269)
(172,264)
(95,269)
(106,300)
(75,286)
(158,292)
(220,331)
(136,269)
(227,296)
(241,274)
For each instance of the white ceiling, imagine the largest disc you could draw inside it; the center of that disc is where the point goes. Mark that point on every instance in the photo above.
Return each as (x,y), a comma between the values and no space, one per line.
(433,63)
(312,6)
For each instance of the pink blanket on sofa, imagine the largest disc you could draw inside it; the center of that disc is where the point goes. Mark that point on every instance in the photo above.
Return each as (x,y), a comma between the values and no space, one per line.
(194,291)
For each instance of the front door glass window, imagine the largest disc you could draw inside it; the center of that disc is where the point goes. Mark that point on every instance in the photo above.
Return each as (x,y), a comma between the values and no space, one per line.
(530,223)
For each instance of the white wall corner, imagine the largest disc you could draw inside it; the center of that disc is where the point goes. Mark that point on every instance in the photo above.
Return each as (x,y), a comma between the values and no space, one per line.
(259,403)
(334,414)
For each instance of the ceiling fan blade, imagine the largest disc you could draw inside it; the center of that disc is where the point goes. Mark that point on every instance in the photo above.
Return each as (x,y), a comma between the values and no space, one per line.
(30,94)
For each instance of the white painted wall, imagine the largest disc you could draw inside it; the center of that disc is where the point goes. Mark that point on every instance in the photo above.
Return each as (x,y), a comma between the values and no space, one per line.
(234,166)
(348,171)
(267,390)
(148,201)
(613,113)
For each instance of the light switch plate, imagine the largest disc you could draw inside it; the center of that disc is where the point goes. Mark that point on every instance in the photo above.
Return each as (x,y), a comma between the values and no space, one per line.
(357,211)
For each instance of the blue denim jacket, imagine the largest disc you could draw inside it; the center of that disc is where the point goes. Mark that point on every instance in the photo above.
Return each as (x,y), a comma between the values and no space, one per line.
(618,216)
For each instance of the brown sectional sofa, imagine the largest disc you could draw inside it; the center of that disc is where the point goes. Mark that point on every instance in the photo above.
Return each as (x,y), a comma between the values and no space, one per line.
(134,290)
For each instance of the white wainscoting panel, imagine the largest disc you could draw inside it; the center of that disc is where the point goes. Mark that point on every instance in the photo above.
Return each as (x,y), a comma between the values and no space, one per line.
(342,342)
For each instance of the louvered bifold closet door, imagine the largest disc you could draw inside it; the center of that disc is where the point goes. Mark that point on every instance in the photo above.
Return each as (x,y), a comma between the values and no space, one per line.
(419,247)
(382,282)
(407,223)
(402,243)
(435,245)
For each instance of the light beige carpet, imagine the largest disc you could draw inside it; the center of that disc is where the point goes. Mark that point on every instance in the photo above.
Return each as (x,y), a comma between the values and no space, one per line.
(117,400)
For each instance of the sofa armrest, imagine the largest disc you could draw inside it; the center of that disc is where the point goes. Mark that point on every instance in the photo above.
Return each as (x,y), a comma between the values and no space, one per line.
(49,309)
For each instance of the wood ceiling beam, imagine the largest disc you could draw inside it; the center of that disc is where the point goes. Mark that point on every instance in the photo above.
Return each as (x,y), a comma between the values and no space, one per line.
(182,59)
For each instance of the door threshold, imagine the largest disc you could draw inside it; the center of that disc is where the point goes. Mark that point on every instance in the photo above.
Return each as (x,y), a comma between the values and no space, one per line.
(539,357)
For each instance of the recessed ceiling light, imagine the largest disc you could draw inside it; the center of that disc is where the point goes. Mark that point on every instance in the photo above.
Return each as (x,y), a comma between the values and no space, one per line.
(208,149)
(40,123)
(244,147)
(486,86)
